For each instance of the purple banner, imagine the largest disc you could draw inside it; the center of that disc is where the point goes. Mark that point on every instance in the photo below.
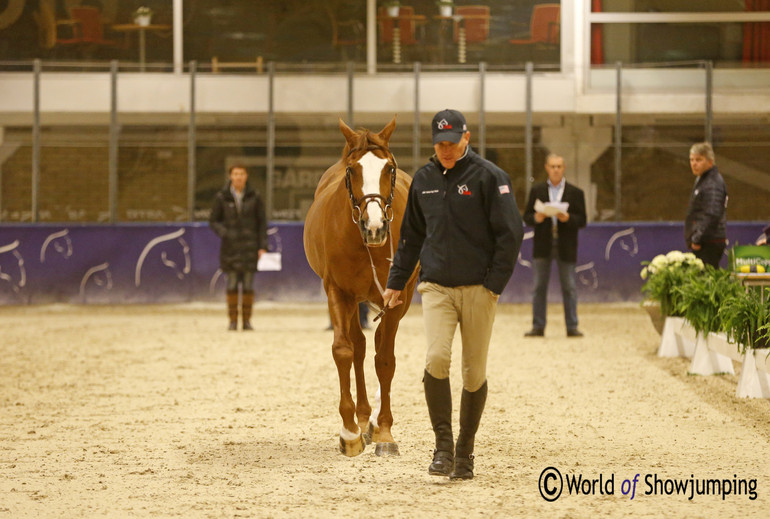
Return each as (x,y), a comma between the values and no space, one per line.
(166,263)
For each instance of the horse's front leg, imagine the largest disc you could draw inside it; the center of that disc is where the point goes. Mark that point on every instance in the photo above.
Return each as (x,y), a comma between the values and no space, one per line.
(385,365)
(363,409)
(340,310)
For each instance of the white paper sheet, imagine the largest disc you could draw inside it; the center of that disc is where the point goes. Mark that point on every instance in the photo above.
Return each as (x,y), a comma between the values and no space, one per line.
(551,208)
(269,261)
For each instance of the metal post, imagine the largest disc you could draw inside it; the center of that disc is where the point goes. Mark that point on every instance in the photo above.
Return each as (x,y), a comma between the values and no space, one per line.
(371,36)
(709,100)
(36,139)
(351,74)
(177,34)
(416,127)
(618,137)
(529,69)
(270,139)
(113,150)
(482,108)
(191,146)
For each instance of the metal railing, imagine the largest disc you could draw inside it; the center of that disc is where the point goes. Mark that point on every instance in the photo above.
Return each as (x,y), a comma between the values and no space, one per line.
(417,69)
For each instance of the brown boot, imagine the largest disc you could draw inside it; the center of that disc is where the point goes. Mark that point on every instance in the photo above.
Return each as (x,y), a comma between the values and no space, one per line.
(247,300)
(232,309)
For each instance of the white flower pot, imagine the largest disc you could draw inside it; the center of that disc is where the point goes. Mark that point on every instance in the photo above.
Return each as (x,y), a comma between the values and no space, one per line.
(445,10)
(393,10)
(143,19)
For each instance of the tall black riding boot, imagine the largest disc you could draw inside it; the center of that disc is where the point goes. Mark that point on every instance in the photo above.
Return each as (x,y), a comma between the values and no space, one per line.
(438,395)
(471,408)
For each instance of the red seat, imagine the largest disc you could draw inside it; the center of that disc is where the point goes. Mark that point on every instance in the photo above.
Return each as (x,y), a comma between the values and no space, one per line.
(89,21)
(543,26)
(475,20)
(406,24)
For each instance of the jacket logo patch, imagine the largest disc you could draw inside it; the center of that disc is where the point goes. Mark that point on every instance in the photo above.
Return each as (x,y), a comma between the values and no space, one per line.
(429,192)
(463,190)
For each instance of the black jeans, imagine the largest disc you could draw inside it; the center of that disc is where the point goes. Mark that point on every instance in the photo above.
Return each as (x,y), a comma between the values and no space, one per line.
(710,253)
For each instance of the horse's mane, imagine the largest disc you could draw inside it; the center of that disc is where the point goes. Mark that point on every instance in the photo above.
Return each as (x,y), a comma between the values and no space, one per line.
(363,140)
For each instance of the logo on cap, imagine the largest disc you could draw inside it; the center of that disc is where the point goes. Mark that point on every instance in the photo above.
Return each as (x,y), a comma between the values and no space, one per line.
(443,124)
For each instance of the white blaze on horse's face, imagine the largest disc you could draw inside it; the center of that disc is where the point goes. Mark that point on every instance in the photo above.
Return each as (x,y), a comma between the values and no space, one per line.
(376,223)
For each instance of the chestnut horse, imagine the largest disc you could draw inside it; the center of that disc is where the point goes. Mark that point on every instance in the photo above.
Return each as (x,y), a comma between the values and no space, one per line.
(351,233)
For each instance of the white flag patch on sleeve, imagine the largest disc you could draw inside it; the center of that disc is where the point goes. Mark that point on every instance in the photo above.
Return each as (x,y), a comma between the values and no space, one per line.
(504,189)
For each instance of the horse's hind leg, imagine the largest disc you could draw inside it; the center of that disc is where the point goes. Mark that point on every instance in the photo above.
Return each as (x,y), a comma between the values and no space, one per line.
(385,365)
(351,438)
(363,409)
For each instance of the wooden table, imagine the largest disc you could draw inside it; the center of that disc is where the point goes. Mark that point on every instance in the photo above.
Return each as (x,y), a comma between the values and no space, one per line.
(129,28)
(755,279)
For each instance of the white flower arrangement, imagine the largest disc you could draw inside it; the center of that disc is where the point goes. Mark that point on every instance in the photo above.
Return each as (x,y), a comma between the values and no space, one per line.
(672,260)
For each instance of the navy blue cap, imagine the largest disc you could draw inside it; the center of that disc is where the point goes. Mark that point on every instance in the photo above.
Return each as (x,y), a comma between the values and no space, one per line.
(448,125)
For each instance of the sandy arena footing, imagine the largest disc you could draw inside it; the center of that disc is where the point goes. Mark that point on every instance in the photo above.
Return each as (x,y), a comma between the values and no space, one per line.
(158,411)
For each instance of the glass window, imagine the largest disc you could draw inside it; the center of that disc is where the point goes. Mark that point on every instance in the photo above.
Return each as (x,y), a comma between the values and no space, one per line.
(499,32)
(152,174)
(73,182)
(15,177)
(722,43)
(657,155)
(676,6)
(89,30)
(291,31)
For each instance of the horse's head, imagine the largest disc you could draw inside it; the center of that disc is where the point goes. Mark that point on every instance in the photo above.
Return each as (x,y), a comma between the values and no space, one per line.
(370,177)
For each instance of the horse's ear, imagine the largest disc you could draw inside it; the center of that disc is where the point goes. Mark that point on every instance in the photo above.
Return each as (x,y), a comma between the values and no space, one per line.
(347,132)
(386,132)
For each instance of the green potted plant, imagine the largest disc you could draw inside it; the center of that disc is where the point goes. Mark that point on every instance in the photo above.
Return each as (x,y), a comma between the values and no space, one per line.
(392,7)
(445,7)
(746,320)
(700,298)
(143,16)
(661,275)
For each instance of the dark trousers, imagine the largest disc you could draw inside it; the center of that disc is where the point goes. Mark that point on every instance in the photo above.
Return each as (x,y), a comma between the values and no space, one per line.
(710,253)
(245,279)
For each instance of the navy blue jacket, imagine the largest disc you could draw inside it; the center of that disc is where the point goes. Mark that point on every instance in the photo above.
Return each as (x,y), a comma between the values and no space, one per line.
(462,225)
(706,220)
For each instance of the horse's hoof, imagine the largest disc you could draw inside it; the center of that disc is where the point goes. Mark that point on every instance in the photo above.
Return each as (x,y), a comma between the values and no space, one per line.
(373,432)
(352,448)
(369,434)
(386,449)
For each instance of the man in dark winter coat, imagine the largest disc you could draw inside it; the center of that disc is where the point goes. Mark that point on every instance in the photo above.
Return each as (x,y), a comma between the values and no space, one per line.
(706,223)
(238,217)
(556,239)
(462,224)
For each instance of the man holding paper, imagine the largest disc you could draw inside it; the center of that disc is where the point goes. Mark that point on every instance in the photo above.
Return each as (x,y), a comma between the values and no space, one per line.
(556,209)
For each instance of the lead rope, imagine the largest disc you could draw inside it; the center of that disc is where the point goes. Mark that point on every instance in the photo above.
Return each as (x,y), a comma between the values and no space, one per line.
(380,309)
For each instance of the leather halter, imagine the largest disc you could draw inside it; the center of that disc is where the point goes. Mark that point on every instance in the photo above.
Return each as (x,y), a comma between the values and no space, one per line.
(387,210)
(384,203)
